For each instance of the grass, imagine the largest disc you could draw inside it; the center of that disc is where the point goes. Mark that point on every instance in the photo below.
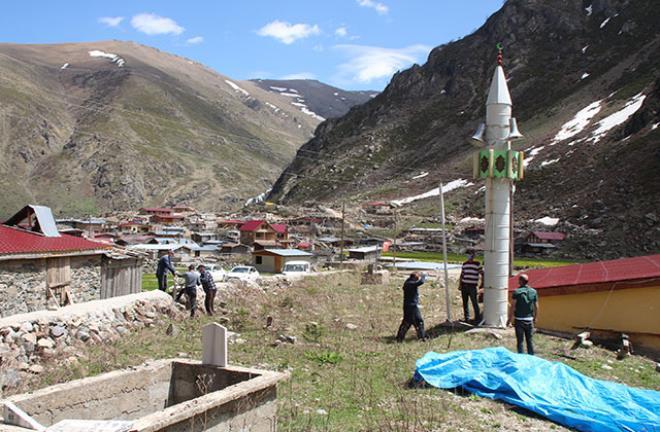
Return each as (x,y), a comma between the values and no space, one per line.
(343,379)
(459,258)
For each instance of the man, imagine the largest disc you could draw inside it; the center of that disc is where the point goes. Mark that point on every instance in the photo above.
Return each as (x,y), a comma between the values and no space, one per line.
(468,281)
(524,309)
(164,265)
(411,313)
(208,284)
(191,282)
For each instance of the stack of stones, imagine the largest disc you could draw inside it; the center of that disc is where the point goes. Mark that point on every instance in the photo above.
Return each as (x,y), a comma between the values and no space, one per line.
(28,340)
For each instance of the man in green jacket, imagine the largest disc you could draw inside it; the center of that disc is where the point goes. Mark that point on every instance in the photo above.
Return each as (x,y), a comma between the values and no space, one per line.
(524,309)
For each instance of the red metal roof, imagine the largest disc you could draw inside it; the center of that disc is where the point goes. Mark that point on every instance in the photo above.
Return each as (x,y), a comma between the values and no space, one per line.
(603,273)
(252,225)
(157,210)
(15,241)
(548,235)
(280,228)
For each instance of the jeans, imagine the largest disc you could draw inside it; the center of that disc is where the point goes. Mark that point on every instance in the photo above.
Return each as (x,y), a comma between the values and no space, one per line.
(192,302)
(469,292)
(524,329)
(411,317)
(162,281)
(208,301)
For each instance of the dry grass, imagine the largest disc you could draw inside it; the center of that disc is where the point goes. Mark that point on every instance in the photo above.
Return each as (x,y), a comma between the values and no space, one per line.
(352,380)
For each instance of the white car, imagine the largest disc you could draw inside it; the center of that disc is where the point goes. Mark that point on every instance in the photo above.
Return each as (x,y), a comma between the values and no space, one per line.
(296,268)
(218,273)
(245,273)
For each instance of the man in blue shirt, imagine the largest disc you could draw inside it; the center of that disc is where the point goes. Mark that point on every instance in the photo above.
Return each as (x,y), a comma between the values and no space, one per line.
(411,313)
(164,265)
(524,310)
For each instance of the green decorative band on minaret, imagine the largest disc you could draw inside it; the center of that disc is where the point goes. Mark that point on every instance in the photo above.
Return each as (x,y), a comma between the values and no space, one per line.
(499,164)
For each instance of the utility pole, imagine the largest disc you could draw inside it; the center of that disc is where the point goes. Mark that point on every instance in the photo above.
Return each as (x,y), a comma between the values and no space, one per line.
(396,233)
(444,250)
(341,245)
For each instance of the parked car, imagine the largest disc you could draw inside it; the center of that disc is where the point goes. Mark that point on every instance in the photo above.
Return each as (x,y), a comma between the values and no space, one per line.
(218,273)
(296,268)
(246,273)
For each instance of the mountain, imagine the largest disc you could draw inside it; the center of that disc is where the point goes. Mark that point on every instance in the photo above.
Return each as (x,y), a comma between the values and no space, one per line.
(315,97)
(88,127)
(585,82)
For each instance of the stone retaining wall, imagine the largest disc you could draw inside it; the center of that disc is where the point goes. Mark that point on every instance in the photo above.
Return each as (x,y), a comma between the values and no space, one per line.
(28,339)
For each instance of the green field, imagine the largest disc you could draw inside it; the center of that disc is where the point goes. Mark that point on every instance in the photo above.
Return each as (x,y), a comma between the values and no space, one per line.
(349,378)
(518,263)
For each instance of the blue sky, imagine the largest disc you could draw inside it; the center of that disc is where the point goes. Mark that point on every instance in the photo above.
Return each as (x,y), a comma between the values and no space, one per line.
(353,44)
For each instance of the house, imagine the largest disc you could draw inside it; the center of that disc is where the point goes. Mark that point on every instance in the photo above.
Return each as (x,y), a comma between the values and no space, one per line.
(377,207)
(203,237)
(170,232)
(42,268)
(182,208)
(156,211)
(540,242)
(366,253)
(272,260)
(607,298)
(197,251)
(133,239)
(257,230)
(134,227)
(168,219)
(234,249)
(89,226)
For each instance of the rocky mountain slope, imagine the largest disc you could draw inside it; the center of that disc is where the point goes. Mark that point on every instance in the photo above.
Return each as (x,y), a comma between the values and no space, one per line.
(315,97)
(585,82)
(87,127)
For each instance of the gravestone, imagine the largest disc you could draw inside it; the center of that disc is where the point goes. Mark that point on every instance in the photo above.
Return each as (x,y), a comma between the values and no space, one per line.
(214,345)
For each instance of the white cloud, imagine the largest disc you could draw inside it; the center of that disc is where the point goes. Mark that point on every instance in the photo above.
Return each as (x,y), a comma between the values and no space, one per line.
(195,40)
(153,24)
(299,76)
(368,63)
(111,21)
(381,8)
(341,31)
(288,33)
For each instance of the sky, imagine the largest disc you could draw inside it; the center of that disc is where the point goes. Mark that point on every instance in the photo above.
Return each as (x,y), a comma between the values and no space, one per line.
(352,44)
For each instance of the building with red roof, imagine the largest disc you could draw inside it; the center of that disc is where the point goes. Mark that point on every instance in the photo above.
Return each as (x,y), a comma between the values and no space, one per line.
(607,298)
(41,267)
(262,231)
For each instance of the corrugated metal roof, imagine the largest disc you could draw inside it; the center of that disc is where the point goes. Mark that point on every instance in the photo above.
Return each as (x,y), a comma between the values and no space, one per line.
(280,228)
(252,225)
(365,249)
(16,241)
(286,252)
(599,272)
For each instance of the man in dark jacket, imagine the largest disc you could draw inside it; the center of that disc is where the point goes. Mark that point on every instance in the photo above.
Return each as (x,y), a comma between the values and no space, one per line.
(208,284)
(524,310)
(164,265)
(411,313)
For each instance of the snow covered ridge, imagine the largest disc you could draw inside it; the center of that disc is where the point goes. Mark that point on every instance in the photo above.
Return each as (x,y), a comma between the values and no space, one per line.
(299,103)
(455,184)
(547,221)
(619,117)
(120,62)
(237,88)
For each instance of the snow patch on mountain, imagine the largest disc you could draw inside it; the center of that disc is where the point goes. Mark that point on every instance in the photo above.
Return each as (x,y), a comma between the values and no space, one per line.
(120,62)
(617,118)
(577,124)
(455,184)
(237,88)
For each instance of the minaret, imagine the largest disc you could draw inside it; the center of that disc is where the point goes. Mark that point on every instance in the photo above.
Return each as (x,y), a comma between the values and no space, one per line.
(499,166)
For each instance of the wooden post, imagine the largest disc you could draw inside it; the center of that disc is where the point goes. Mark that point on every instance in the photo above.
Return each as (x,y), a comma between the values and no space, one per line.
(341,245)
(444,251)
(396,233)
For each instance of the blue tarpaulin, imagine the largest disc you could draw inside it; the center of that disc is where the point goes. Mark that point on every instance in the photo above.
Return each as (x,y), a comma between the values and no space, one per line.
(551,389)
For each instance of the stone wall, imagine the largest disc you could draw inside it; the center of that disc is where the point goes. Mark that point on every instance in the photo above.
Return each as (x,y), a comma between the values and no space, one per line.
(26,340)
(23,283)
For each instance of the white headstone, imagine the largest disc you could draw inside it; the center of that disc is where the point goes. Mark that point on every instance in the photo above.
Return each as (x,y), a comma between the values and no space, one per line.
(214,345)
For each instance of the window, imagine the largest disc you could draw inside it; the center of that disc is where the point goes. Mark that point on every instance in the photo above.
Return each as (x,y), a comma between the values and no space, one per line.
(258,260)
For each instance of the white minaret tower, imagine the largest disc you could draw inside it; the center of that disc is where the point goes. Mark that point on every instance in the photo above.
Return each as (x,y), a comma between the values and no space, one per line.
(499,165)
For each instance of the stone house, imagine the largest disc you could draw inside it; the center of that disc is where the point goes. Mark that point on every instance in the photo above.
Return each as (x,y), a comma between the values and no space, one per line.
(41,268)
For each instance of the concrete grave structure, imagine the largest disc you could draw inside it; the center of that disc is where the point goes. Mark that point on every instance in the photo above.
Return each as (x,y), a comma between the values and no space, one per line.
(166,395)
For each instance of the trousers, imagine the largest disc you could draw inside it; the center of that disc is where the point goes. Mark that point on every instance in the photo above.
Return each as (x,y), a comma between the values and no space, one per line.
(208,301)
(524,330)
(412,316)
(469,292)
(162,281)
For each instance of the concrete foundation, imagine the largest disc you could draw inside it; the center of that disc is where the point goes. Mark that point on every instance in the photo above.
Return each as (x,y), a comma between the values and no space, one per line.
(167,395)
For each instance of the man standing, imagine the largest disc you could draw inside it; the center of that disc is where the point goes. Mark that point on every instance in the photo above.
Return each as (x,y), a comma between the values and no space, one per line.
(411,313)
(191,282)
(208,284)
(470,273)
(164,265)
(525,309)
